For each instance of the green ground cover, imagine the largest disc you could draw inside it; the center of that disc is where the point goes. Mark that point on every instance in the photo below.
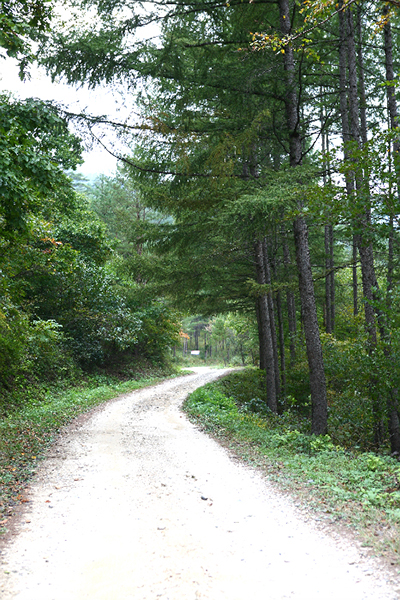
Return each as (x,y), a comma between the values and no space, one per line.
(343,486)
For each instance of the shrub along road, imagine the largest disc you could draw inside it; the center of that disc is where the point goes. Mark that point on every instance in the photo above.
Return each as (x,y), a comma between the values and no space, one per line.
(136,502)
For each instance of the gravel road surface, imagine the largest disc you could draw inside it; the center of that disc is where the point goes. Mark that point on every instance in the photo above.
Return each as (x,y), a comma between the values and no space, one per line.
(136,503)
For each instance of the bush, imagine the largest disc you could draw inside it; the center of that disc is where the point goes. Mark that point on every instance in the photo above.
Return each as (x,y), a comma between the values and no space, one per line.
(207,400)
(30,353)
(46,348)
(14,332)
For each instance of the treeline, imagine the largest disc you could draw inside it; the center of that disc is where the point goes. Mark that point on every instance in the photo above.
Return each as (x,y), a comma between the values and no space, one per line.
(266,145)
(229,339)
(269,137)
(69,305)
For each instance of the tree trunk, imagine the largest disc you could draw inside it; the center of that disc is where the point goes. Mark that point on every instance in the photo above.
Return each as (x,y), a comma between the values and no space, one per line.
(362,198)
(290,300)
(361,78)
(281,335)
(281,343)
(328,239)
(306,285)
(351,132)
(261,340)
(332,277)
(264,323)
(344,114)
(369,281)
(311,331)
(364,220)
(393,399)
(328,294)
(355,276)
(268,280)
(390,90)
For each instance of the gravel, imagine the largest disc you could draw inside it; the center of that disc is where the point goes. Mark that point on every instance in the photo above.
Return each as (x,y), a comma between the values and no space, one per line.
(137,503)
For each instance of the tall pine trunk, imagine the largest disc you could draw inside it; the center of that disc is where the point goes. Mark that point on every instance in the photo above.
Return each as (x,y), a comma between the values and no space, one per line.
(281,335)
(393,399)
(346,136)
(359,193)
(328,238)
(328,280)
(306,285)
(261,338)
(265,324)
(290,299)
(332,276)
(272,320)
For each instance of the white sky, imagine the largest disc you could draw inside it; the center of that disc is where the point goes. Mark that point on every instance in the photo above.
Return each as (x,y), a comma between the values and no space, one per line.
(99,101)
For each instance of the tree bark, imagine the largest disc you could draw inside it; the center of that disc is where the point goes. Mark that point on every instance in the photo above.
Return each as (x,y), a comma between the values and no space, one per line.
(361,78)
(393,399)
(268,280)
(332,277)
(290,300)
(328,294)
(306,285)
(265,325)
(311,330)
(281,343)
(261,340)
(328,239)
(363,219)
(281,334)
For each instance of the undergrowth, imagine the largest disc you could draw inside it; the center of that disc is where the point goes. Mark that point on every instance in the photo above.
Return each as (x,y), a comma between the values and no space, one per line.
(26,431)
(346,486)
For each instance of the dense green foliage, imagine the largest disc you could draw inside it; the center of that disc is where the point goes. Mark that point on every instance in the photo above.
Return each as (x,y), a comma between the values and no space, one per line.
(237,202)
(35,148)
(21,22)
(236,147)
(69,300)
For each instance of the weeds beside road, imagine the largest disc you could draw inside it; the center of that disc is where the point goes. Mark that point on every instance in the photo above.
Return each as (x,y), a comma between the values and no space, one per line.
(344,486)
(27,431)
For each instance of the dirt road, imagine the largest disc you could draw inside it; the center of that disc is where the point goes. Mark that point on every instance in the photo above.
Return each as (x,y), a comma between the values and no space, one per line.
(136,503)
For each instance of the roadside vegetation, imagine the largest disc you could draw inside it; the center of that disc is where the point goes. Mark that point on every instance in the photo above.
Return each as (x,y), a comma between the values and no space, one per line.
(30,428)
(329,475)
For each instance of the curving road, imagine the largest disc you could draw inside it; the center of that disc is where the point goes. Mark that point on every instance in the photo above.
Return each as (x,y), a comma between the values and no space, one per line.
(138,504)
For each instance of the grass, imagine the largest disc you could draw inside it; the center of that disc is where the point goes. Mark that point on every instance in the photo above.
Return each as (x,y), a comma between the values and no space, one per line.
(27,431)
(342,486)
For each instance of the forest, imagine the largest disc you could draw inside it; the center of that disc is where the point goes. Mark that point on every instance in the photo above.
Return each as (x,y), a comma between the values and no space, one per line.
(254,211)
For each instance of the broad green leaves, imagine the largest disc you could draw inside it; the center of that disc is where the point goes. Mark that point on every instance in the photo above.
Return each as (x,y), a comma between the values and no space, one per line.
(21,21)
(35,148)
